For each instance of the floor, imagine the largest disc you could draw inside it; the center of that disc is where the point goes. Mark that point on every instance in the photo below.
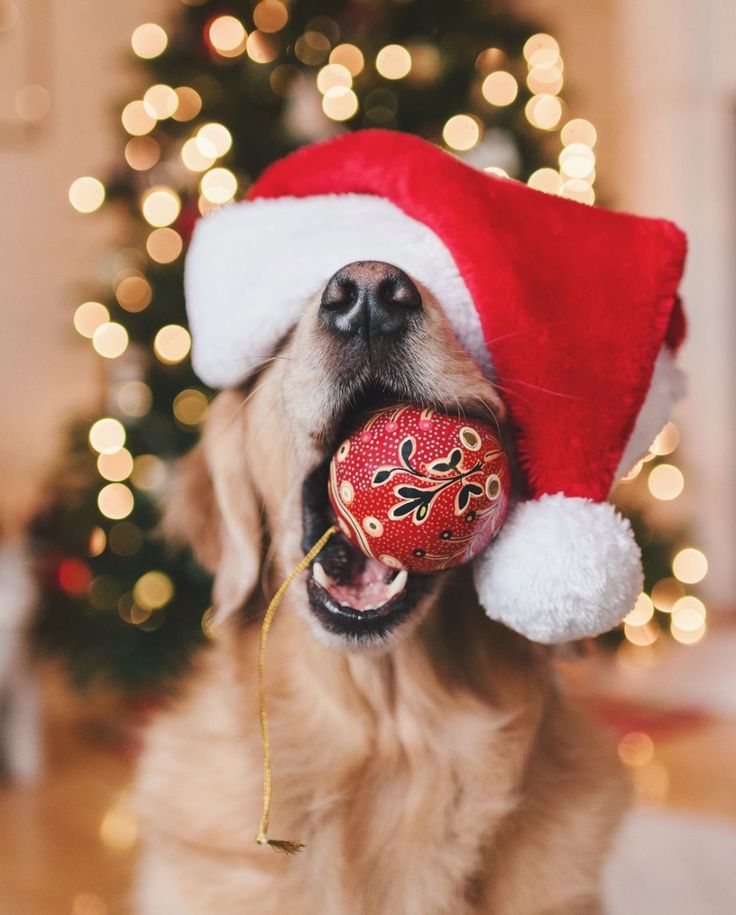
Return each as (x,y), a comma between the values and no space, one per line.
(67,845)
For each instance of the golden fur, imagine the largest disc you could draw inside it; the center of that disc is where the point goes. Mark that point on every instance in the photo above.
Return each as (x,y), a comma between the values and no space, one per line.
(443,775)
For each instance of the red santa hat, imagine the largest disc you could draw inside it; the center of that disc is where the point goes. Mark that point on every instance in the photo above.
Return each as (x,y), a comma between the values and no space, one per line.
(571,310)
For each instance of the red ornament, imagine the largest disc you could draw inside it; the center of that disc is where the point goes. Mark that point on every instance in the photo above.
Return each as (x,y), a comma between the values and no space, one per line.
(420,490)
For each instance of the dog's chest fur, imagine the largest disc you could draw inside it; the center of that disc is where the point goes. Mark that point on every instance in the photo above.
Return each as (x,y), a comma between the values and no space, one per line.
(395,779)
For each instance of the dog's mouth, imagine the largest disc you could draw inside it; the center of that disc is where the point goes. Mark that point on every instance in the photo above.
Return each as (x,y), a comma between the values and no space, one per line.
(351,594)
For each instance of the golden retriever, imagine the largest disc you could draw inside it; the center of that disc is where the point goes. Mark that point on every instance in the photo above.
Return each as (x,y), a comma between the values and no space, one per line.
(422,753)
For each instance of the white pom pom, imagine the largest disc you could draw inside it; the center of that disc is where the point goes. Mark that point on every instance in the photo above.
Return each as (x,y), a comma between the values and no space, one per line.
(561,569)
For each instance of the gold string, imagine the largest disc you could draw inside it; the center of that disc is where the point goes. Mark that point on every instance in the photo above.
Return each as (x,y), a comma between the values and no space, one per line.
(285,845)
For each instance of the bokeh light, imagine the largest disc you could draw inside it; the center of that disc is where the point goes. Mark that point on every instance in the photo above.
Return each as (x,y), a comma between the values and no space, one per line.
(665,594)
(214,137)
(270,15)
(149,472)
(500,88)
(227,36)
(545,179)
(667,440)
(88,317)
(133,293)
(541,42)
(262,48)
(543,111)
(164,245)
(333,75)
(190,407)
(665,482)
(393,61)
(690,566)
(160,206)
(153,590)
(110,340)
(107,435)
(136,120)
(578,130)
(340,103)
(142,153)
(149,40)
(636,749)
(115,501)
(160,101)
(190,104)
(133,398)
(643,611)
(116,466)
(86,194)
(172,344)
(218,185)
(349,56)
(32,102)
(461,132)
(194,158)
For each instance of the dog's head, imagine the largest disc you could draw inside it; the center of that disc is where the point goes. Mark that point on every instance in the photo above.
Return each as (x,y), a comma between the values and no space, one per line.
(254,493)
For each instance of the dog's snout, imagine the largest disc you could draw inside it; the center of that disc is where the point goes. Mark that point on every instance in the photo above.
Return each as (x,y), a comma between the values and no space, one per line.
(369,298)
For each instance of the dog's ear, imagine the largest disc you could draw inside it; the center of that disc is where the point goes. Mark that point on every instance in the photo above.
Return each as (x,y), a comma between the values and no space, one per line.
(212,508)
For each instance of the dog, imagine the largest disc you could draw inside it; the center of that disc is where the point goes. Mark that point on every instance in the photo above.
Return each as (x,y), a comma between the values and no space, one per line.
(422,753)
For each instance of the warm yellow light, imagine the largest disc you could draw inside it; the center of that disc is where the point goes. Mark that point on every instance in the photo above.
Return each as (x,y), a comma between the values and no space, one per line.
(491,59)
(495,170)
(393,61)
(500,88)
(578,189)
(218,185)
(636,749)
(107,435)
(665,482)
(643,611)
(194,158)
(687,636)
(543,111)
(461,132)
(270,15)
(110,340)
(115,501)
(667,440)
(545,78)
(115,467)
(340,103)
(119,827)
(333,75)
(160,101)
(228,36)
(136,120)
(666,593)
(545,179)
(164,245)
(578,167)
(217,136)
(149,472)
(312,48)
(190,407)
(134,398)
(633,473)
(86,194)
(88,317)
(690,566)
(160,206)
(348,56)
(540,42)
(172,344)
(262,48)
(578,130)
(153,590)
(688,613)
(641,635)
(142,153)
(149,40)
(97,542)
(190,104)
(133,293)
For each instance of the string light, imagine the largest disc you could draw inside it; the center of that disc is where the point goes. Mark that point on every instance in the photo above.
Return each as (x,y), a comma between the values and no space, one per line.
(577,189)
(545,78)
(332,75)
(541,49)
(667,440)
(134,398)
(262,48)
(149,472)
(88,317)
(153,590)
(149,40)
(393,61)
(688,623)
(270,15)
(348,56)
(495,170)
(142,153)
(218,185)
(107,435)
(160,101)
(500,88)
(190,407)
(97,542)
(133,293)
(110,340)
(172,344)
(227,36)
(543,111)
(136,120)
(643,611)
(116,466)
(214,138)
(160,206)
(340,103)
(545,179)
(312,48)
(666,593)
(642,636)
(690,566)
(164,245)
(115,501)
(189,104)
(86,194)
(665,482)
(194,158)
(578,130)
(461,132)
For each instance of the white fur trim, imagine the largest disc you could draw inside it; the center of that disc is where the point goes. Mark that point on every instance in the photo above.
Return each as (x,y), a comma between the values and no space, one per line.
(561,569)
(252,266)
(666,388)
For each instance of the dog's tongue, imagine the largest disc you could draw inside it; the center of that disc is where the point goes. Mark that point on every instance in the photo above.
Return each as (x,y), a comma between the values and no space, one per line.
(371,588)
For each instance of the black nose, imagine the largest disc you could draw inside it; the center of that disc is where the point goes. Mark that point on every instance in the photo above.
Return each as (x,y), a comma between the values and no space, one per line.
(369,299)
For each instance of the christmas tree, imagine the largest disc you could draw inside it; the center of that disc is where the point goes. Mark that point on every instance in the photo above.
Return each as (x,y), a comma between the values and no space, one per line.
(226,89)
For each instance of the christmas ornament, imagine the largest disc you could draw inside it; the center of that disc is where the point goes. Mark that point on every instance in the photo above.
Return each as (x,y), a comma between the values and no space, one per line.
(574,307)
(420,490)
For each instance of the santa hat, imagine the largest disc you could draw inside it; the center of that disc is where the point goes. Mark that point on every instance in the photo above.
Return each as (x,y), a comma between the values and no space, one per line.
(571,310)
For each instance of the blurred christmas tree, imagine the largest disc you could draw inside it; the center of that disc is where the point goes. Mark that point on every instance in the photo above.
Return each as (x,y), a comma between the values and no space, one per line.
(227,88)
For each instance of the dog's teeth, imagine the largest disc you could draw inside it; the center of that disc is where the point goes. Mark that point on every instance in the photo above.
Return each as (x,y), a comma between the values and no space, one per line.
(398,584)
(320,576)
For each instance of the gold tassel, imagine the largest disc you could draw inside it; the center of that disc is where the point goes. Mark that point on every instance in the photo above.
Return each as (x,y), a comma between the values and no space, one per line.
(284,845)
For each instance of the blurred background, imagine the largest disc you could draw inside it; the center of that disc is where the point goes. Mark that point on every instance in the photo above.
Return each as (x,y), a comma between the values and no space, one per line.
(121,124)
